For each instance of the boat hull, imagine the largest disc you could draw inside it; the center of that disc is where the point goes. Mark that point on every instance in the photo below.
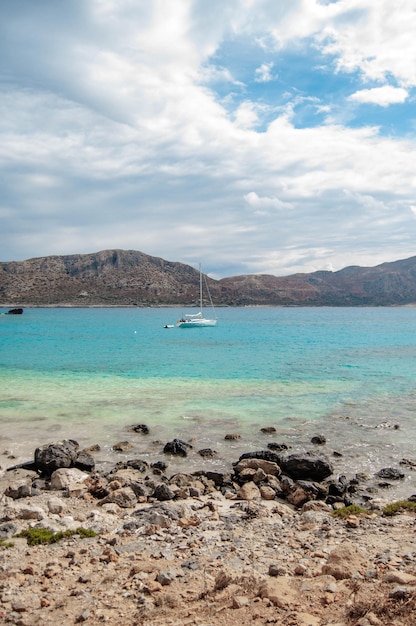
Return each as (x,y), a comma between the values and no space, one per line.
(196,323)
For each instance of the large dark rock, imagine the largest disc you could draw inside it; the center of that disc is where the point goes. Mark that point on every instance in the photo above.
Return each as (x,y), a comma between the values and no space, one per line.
(163,492)
(218,478)
(305,467)
(390,473)
(266,455)
(177,447)
(84,461)
(53,456)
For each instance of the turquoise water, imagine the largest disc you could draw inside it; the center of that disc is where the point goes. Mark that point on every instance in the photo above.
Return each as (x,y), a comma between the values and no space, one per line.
(89,374)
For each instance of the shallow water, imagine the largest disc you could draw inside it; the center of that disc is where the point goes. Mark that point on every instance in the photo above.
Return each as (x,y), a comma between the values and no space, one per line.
(89,374)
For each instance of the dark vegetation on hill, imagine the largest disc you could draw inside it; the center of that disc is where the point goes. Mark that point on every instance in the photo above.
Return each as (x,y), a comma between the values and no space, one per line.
(131,278)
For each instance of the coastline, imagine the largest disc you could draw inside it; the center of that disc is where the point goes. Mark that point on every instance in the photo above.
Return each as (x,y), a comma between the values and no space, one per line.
(184,550)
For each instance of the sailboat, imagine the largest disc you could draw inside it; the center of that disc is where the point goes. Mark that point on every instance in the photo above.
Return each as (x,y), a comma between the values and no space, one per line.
(197,320)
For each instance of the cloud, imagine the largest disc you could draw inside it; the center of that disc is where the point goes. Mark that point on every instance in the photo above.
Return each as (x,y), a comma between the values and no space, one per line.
(157,126)
(373,38)
(264,73)
(246,116)
(265,203)
(383,96)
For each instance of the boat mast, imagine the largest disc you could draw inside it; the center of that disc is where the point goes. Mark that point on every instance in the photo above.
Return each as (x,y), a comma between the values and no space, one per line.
(200,288)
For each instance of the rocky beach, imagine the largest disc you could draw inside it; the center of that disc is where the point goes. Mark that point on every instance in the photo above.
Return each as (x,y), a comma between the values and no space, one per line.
(279,539)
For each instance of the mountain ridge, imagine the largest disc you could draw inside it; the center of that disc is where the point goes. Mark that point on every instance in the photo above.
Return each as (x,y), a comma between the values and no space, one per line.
(131,278)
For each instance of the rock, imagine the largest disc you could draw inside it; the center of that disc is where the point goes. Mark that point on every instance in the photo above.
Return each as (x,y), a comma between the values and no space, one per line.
(84,461)
(249,491)
(217,478)
(181,480)
(319,440)
(266,455)
(311,519)
(94,448)
(345,561)
(166,578)
(267,493)
(56,506)
(298,493)
(140,428)
(7,530)
(207,453)
(276,570)
(338,488)
(53,456)
(300,569)
(246,475)
(122,446)
(401,578)
(305,467)
(147,561)
(278,447)
(239,601)
(125,498)
(163,492)
(97,486)
(401,593)
(314,505)
(64,477)
(232,437)
(298,496)
(353,521)
(18,491)
(136,464)
(279,591)
(177,448)
(268,467)
(30,513)
(389,473)
(161,466)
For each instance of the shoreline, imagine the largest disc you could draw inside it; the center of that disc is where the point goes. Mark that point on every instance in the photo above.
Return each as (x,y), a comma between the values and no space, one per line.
(385,482)
(187,551)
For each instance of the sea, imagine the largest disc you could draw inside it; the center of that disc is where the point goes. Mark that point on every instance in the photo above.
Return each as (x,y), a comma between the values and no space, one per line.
(91,374)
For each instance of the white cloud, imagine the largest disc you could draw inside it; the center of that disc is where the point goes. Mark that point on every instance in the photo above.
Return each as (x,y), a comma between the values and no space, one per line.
(262,203)
(375,38)
(383,96)
(264,73)
(246,116)
(111,137)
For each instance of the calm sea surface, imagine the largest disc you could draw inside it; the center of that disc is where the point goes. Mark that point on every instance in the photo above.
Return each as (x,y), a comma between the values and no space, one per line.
(90,374)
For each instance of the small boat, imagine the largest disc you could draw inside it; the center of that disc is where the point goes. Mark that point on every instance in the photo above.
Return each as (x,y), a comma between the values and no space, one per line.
(197,320)
(169,326)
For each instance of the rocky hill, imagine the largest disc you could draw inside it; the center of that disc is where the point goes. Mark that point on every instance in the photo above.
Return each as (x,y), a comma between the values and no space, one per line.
(131,278)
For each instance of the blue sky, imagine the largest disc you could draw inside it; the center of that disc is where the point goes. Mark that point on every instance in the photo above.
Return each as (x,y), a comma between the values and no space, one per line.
(253,136)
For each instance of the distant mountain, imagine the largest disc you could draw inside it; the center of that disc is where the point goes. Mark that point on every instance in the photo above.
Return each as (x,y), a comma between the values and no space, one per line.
(130,278)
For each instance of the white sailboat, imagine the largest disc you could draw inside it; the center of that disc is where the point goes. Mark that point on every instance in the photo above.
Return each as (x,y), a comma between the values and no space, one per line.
(197,320)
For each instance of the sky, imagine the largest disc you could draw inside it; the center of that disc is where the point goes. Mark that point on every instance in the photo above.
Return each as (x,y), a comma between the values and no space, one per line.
(252,136)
